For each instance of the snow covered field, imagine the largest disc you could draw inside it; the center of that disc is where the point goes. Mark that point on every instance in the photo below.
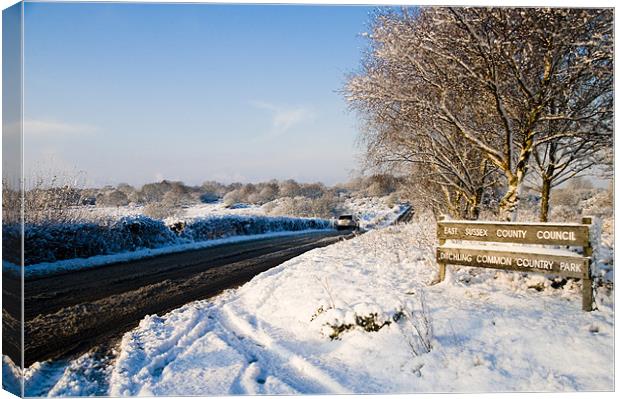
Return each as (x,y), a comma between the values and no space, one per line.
(487,330)
(191,212)
(218,208)
(372,211)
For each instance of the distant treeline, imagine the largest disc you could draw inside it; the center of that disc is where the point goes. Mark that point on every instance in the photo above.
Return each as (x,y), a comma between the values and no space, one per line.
(175,192)
(50,201)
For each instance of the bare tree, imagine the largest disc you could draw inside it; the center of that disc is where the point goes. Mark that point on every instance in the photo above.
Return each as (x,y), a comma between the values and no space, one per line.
(484,80)
(558,161)
(47,197)
(580,139)
(401,135)
(116,198)
(289,188)
(129,191)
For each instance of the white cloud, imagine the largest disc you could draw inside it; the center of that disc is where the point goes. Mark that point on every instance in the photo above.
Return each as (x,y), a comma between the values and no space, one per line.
(54,129)
(284,119)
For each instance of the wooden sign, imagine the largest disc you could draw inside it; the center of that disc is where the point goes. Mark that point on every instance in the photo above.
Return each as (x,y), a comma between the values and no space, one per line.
(564,264)
(524,258)
(521,233)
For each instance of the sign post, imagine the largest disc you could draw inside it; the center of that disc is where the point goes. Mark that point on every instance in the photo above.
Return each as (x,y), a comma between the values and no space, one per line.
(442,265)
(587,294)
(518,247)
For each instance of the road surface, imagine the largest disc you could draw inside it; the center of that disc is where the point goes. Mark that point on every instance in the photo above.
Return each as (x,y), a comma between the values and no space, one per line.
(70,313)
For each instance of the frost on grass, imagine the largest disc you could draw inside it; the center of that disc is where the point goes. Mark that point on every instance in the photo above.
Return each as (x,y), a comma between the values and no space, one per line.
(480,330)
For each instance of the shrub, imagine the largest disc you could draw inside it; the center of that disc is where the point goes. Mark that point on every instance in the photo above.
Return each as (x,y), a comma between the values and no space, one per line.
(289,188)
(313,190)
(233,197)
(419,326)
(159,210)
(564,213)
(325,206)
(369,318)
(53,242)
(214,189)
(601,204)
(208,198)
(136,232)
(55,204)
(114,198)
(225,226)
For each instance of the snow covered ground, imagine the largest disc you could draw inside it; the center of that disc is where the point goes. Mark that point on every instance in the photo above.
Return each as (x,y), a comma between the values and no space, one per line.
(374,212)
(190,212)
(218,208)
(106,212)
(360,316)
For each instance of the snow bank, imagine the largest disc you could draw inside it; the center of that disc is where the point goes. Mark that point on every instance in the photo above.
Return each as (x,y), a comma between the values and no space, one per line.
(487,330)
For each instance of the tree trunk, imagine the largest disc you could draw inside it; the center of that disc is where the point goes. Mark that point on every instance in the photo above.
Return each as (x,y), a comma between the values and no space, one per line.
(475,213)
(544,199)
(449,203)
(508,204)
(457,206)
(547,178)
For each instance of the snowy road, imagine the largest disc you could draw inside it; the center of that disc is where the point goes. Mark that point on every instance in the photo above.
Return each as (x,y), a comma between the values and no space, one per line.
(72,312)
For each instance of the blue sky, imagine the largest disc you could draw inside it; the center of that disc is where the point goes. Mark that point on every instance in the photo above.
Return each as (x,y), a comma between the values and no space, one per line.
(140,92)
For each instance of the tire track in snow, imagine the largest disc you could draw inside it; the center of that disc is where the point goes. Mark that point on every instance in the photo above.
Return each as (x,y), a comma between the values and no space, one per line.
(169,350)
(306,377)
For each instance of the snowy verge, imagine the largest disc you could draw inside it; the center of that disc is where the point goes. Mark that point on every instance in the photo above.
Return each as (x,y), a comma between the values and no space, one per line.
(68,265)
(360,316)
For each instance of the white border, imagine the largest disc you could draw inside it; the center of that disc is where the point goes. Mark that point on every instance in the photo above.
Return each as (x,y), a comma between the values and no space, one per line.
(529,3)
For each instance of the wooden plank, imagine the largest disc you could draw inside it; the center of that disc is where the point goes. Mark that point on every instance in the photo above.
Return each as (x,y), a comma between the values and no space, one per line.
(587,294)
(568,266)
(520,233)
(442,265)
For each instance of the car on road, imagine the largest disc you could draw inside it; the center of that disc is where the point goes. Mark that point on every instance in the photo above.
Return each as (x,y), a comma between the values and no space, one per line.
(346,222)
